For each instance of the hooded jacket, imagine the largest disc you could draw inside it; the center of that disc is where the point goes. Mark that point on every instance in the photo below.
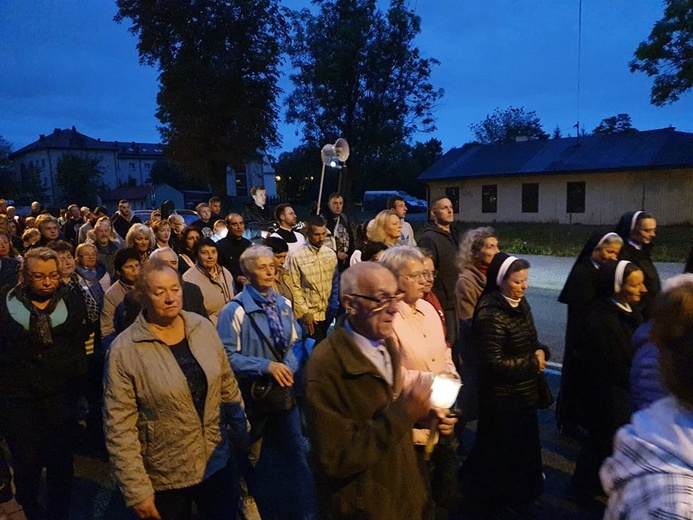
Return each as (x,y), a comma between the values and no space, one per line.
(650,474)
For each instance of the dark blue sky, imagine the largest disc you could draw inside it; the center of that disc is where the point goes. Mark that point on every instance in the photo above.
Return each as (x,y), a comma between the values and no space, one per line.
(67,63)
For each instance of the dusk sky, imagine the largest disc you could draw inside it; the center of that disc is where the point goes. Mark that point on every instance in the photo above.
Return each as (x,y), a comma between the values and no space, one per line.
(67,63)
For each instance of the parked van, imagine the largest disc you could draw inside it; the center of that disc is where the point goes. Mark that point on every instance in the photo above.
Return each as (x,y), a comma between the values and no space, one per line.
(377,201)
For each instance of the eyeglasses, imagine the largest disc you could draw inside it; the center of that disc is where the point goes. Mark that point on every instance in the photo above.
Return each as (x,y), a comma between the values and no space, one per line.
(39,277)
(382,303)
(414,277)
(430,275)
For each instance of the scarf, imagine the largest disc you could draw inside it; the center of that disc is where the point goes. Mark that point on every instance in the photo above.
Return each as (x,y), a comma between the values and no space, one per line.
(80,285)
(40,321)
(274,321)
(92,279)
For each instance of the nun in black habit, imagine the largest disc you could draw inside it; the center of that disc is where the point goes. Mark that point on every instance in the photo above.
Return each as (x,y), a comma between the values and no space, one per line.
(612,320)
(579,291)
(504,468)
(638,229)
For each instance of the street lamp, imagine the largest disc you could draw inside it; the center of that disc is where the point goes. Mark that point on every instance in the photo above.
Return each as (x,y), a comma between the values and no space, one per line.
(332,155)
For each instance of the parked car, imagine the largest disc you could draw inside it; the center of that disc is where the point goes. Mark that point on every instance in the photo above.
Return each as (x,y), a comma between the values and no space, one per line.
(377,201)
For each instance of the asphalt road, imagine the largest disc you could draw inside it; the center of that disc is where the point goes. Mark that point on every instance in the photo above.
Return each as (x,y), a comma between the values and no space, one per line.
(549,319)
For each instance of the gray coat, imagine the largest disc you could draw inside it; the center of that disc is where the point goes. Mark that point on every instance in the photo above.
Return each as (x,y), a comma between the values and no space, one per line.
(153,433)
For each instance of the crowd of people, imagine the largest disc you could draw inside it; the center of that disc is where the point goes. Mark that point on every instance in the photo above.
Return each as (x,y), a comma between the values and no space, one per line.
(251,366)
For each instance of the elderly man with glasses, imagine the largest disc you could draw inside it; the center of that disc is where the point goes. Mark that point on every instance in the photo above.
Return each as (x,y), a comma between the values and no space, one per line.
(360,412)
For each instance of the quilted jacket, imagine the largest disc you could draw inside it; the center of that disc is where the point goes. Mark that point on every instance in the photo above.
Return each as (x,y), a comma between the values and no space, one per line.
(506,340)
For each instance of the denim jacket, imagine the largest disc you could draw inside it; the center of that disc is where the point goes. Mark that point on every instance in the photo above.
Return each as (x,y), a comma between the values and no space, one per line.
(248,353)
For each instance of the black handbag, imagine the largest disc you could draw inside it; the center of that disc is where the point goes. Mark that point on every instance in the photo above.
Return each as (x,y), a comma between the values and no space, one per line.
(263,396)
(545,397)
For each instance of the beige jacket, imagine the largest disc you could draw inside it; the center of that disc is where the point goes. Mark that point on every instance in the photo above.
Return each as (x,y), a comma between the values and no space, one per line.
(470,284)
(154,435)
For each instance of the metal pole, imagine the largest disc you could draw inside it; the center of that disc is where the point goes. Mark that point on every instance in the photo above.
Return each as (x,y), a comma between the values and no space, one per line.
(322,179)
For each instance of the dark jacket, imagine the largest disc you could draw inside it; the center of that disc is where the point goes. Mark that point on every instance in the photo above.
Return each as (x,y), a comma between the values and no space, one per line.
(363,458)
(341,245)
(121,225)
(443,246)
(9,272)
(608,362)
(641,258)
(579,291)
(506,340)
(256,217)
(205,228)
(230,249)
(29,368)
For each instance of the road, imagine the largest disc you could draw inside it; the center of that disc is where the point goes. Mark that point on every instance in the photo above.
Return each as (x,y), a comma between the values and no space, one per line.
(547,276)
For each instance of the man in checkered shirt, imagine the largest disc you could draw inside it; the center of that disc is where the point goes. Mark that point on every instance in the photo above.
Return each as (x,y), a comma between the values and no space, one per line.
(314,280)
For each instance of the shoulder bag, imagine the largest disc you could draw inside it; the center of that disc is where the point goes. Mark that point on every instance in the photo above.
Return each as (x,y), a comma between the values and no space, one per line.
(263,396)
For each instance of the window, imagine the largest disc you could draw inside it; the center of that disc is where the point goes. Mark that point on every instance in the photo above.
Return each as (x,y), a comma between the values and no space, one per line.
(146,166)
(575,197)
(132,166)
(530,197)
(454,195)
(489,198)
(241,184)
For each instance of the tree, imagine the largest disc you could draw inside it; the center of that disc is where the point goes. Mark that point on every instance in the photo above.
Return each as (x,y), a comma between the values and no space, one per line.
(667,54)
(30,185)
(503,126)
(359,76)
(79,178)
(5,149)
(618,124)
(7,179)
(299,171)
(556,134)
(218,64)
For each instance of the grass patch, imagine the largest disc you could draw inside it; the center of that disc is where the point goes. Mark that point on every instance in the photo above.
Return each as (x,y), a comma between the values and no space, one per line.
(671,245)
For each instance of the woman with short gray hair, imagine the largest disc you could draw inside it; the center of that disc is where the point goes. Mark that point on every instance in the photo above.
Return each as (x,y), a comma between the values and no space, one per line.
(424,353)
(263,342)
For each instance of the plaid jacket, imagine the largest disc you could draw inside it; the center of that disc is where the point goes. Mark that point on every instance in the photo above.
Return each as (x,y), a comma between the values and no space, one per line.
(314,281)
(650,474)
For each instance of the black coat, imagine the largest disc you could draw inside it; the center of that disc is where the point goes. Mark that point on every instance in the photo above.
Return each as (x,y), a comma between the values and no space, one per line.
(29,368)
(506,340)
(443,246)
(608,362)
(641,258)
(230,249)
(9,272)
(579,293)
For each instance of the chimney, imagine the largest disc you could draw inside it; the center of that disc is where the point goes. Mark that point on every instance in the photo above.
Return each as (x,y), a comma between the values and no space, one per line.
(42,136)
